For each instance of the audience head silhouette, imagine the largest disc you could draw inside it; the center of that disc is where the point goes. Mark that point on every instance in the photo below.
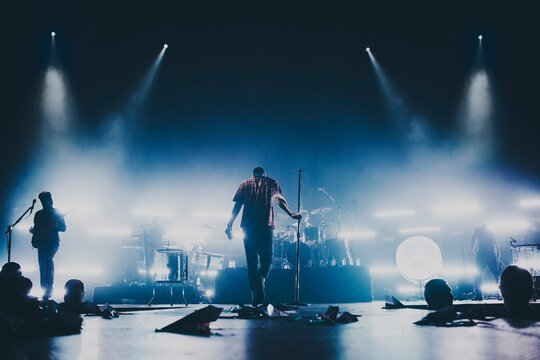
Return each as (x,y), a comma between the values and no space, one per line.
(516,287)
(74,291)
(11,270)
(438,294)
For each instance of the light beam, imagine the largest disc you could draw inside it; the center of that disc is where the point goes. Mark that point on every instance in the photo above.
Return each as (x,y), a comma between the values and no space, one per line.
(139,97)
(398,110)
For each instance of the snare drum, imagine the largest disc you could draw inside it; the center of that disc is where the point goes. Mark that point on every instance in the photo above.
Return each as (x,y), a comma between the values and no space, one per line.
(170,265)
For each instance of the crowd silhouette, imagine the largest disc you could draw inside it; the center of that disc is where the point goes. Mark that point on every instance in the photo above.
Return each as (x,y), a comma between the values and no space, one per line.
(24,315)
(516,287)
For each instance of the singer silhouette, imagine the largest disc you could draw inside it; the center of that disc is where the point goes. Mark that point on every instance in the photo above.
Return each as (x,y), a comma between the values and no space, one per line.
(47,223)
(255,195)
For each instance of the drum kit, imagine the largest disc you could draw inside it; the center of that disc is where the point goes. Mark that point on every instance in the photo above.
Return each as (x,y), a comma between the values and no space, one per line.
(320,244)
(169,264)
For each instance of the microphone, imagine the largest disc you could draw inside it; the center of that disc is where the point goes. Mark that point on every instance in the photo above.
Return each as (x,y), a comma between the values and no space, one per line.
(32,207)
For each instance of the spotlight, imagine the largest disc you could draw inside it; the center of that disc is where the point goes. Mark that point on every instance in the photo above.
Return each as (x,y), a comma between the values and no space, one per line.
(418,258)
(165,46)
(53,34)
(367,49)
(480,37)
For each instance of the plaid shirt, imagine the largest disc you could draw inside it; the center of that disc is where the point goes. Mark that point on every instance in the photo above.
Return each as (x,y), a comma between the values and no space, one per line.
(257,201)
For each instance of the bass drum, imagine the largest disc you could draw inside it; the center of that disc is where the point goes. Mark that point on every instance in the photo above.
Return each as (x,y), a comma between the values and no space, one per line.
(306,255)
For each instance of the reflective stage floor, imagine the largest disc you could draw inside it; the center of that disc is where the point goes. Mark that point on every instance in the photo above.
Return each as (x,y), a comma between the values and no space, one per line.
(379,334)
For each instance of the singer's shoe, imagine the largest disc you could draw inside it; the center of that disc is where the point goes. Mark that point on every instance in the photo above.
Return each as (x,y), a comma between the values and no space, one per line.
(258,294)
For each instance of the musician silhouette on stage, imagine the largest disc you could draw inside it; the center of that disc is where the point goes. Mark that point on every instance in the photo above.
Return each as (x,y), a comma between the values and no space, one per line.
(255,195)
(485,248)
(47,223)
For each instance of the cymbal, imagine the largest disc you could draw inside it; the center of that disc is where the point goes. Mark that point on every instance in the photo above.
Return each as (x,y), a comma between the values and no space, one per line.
(135,247)
(323,210)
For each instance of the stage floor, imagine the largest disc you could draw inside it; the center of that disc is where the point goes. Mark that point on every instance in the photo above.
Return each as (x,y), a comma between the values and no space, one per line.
(379,334)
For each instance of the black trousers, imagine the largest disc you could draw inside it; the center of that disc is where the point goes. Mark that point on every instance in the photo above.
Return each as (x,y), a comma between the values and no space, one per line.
(258,247)
(46,267)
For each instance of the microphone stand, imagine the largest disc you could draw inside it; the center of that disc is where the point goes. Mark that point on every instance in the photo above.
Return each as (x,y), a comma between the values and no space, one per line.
(297,278)
(10,228)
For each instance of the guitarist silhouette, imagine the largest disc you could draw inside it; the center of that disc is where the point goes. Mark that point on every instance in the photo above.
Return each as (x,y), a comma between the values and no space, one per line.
(47,223)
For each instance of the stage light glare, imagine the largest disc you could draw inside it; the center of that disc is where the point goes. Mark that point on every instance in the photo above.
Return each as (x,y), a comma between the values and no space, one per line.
(58,293)
(211,272)
(53,34)
(188,234)
(480,37)
(165,46)
(530,263)
(456,209)
(108,231)
(408,290)
(395,213)
(490,288)
(418,258)
(508,224)
(209,293)
(153,211)
(211,214)
(530,203)
(383,270)
(419,230)
(80,270)
(25,229)
(238,234)
(358,234)
(458,271)
(28,268)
